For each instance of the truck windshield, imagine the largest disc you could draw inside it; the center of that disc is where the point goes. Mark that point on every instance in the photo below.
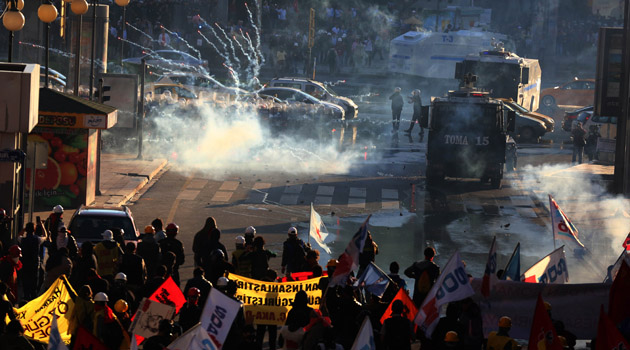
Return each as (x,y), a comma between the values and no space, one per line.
(466,117)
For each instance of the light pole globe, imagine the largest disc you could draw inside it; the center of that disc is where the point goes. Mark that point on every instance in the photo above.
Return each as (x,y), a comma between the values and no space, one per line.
(47,13)
(13,20)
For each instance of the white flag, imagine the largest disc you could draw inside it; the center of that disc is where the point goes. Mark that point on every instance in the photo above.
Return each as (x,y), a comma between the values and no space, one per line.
(452,285)
(365,337)
(318,230)
(550,269)
(218,315)
(54,341)
(195,338)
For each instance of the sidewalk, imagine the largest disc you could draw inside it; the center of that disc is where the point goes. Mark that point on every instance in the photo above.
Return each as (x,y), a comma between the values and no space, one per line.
(123,175)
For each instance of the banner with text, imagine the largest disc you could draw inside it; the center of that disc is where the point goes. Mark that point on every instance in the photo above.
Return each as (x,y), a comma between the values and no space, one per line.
(270,302)
(37,315)
(577,305)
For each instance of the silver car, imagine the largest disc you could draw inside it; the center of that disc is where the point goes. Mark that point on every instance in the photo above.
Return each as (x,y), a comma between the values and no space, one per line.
(310,103)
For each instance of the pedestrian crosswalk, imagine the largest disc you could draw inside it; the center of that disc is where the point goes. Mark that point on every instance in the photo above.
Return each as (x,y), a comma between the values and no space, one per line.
(389,196)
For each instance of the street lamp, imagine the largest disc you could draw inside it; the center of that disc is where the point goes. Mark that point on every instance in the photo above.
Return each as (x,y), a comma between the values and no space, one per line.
(13,20)
(123,4)
(47,13)
(79,8)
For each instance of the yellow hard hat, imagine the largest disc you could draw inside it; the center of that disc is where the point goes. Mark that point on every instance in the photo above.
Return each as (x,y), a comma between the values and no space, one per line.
(563,341)
(451,337)
(149,229)
(505,322)
(332,263)
(547,306)
(121,306)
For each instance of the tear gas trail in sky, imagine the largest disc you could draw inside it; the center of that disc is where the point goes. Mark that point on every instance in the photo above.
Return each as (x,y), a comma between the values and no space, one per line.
(229,41)
(208,140)
(256,27)
(184,41)
(601,218)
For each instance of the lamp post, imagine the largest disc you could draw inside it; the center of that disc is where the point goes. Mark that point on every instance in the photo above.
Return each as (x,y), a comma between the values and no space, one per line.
(13,20)
(47,13)
(79,8)
(123,4)
(92,56)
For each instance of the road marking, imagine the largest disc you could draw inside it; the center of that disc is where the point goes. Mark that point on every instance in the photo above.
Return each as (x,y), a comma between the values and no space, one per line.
(358,192)
(356,203)
(221,196)
(389,194)
(188,194)
(325,190)
(171,213)
(289,199)
(261,186)
(229,186)
(389,204)
(322,200)
(293,189)
(197,184)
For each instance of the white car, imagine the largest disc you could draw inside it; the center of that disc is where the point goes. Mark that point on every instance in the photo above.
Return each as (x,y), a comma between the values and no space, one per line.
(293,96)
(319,91)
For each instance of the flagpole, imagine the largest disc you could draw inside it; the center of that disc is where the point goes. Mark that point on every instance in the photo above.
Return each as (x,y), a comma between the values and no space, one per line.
(552,224)
(310,222)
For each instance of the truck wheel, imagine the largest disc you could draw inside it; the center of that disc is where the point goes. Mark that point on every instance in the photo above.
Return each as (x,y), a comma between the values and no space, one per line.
(496,182)
(549,101)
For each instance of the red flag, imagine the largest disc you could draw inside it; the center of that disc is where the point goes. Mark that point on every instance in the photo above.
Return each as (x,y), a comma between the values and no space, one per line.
(170,294)
(543,335)
(85,340)
(626,243)
(410,308)
(618,306)
(608,336)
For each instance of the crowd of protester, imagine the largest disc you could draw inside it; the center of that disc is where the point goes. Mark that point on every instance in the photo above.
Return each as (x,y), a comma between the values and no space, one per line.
(111,277)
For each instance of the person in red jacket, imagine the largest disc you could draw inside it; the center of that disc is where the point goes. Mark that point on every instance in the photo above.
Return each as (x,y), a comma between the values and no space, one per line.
(10,264)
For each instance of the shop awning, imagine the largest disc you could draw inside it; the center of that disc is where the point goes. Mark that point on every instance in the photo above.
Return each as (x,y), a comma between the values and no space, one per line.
(62,110)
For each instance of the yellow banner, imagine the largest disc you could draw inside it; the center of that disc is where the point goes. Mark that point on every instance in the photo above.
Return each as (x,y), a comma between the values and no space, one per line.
(36,316)
(270,302)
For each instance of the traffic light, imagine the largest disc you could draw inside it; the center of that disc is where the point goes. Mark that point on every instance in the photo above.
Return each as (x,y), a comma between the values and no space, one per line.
(100,93)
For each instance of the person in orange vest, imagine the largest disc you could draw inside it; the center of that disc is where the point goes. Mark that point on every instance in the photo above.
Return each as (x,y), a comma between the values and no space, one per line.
(500,340)
(108,255)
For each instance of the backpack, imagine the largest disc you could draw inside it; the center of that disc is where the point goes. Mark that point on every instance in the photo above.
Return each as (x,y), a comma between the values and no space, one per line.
(423,284)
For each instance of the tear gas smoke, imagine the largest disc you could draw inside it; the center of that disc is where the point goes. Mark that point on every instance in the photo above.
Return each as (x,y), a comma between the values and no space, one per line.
(214,142)
(601,218)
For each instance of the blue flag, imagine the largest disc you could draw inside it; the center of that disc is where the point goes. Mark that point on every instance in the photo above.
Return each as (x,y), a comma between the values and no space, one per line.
(512,271)
(373,280)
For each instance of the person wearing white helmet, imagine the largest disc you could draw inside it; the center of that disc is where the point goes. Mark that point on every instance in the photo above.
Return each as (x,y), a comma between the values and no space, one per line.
(222,283)
(241,257)
(293,253)
(54,222)
(250,233)
(416,100)
(108,255)
(107,328)
(120,290)
(397,107)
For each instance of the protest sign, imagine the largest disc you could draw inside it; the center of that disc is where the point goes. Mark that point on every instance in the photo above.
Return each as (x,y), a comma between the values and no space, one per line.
(269,302)
(37,315)
(217,316)
(170,294)
(148,316)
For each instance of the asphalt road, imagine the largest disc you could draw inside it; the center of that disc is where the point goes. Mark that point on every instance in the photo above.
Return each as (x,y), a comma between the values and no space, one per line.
(382,175)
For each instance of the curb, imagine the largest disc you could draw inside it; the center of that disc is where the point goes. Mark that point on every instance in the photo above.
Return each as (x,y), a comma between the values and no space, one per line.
(143,180)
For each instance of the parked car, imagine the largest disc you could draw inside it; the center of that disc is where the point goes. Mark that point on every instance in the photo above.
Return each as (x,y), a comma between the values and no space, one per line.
(89,222)
(309,103)
(319,91)
(549,122)
(570,116)
(527,129)
(175,92)
(171,60)
(579,92)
